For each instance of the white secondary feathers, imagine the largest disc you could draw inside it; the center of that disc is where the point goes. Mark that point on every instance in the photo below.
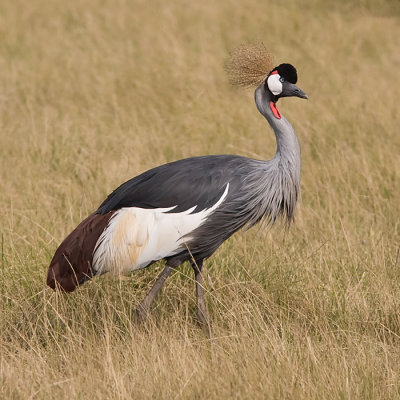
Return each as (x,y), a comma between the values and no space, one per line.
(274,84)
(135,236)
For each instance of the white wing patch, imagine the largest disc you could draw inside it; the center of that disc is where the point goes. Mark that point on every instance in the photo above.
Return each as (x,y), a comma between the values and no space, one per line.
(136,236)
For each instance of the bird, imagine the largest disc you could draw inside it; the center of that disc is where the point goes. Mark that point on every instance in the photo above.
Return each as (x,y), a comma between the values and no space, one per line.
(184,210)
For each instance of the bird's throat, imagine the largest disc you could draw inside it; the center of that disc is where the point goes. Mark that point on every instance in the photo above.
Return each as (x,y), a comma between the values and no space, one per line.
(275,110)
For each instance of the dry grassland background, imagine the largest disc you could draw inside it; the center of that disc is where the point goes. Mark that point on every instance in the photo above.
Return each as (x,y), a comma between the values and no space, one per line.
(95,92)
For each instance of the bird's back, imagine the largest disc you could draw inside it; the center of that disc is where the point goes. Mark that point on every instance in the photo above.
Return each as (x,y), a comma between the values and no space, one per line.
(182,184)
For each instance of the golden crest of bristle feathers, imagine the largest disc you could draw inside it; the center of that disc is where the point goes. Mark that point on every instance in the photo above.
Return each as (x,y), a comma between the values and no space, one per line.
(248,65)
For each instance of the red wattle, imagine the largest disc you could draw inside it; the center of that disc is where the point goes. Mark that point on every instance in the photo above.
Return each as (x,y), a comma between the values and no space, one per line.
(274,110)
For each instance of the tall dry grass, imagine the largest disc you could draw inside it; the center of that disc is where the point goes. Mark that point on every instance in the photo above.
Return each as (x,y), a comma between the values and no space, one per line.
(94,92)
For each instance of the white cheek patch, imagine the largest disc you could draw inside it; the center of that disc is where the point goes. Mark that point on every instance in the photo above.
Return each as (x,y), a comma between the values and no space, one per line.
(274,84)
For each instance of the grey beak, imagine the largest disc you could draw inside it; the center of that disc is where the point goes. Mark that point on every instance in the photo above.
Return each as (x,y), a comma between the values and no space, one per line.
(291,90)
(300,93)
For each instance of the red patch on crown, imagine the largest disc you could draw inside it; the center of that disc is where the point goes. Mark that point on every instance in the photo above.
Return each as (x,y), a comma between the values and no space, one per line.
(274,110)
(274,72)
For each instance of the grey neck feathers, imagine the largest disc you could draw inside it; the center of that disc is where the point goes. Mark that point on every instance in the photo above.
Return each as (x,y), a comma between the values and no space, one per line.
(286,164)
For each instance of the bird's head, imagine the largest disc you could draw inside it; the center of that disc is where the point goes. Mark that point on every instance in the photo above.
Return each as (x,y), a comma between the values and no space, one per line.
(281,82)
(251,65)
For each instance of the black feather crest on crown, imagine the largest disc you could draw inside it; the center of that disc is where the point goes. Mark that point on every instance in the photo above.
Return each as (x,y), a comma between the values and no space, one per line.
(287,71)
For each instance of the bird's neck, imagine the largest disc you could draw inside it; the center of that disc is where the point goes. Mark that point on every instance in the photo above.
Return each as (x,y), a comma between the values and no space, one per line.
(288,148)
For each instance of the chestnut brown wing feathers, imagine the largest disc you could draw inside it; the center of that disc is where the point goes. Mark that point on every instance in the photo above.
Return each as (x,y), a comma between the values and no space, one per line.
(72,262)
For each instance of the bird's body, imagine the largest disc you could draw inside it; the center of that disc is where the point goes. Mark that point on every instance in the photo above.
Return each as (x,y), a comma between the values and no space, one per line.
(184,210)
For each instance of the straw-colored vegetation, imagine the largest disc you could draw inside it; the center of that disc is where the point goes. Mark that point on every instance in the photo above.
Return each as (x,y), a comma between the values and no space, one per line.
(94,92)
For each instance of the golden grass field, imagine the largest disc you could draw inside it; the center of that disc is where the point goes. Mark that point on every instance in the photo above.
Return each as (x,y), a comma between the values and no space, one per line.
(95,92)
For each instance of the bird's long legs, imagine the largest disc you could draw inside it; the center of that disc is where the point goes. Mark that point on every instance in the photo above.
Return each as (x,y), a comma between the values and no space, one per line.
(202,314)
(144,306)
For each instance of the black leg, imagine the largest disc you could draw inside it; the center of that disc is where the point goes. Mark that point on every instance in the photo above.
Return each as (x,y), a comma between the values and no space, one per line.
(143,308)
(202,314)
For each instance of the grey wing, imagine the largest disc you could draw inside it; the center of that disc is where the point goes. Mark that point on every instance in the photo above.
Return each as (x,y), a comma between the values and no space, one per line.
(183,184)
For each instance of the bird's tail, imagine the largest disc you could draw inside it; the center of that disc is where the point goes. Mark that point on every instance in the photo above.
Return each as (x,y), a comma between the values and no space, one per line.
(72,262)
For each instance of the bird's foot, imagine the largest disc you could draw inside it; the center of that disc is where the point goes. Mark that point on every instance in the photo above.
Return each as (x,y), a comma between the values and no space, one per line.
(205,323)
(141,314)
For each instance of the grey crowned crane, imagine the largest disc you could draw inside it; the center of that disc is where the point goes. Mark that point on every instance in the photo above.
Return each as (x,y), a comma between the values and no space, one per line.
(184,210)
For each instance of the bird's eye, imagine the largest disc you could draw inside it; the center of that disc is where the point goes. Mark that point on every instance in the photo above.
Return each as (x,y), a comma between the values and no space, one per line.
(281,79)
